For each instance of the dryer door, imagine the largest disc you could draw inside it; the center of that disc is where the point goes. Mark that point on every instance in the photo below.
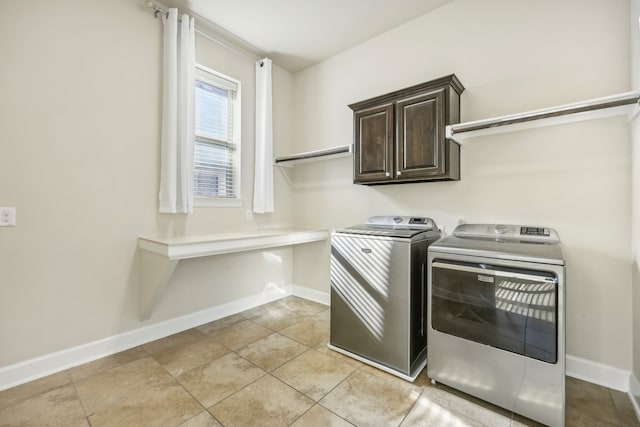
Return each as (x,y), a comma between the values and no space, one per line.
(507,308)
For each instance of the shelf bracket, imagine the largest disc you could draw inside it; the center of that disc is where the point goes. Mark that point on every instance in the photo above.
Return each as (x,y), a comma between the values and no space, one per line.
(155,271)
(634,113)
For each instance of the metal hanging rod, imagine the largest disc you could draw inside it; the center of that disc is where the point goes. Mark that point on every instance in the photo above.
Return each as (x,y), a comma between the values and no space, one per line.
(158,10)
(621,104)
(327,153)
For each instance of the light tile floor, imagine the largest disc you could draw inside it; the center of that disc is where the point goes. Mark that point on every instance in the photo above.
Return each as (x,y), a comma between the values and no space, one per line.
(269,366)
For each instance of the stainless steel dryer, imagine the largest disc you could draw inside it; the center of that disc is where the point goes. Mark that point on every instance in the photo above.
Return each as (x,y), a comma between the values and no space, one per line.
(497,318)
(379,292)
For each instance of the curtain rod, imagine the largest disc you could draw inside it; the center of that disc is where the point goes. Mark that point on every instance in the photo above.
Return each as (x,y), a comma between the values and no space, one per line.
(156,10)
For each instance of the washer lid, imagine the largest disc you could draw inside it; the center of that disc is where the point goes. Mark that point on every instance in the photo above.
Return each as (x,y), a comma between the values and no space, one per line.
(508,243)
(376,230)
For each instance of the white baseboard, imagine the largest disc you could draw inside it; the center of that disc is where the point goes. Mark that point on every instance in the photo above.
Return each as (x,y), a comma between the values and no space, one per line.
(597,373)
(312,294)
(29,370)
(634,394)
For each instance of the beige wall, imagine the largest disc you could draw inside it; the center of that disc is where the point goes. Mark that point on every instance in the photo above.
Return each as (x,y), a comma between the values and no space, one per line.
(512,56)
(79,136)
(635,194)
(79,153)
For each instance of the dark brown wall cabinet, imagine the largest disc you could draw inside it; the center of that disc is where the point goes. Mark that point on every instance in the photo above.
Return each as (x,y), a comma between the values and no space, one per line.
(400,137)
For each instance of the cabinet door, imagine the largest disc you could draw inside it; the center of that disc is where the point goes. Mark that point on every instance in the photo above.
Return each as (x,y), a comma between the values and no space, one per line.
(373,148)
(420,123)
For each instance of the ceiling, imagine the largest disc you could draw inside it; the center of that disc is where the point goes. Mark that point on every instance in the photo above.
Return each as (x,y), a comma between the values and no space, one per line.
(298,33)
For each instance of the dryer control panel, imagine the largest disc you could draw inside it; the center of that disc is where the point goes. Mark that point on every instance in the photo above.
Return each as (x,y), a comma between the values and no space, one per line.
(521,233)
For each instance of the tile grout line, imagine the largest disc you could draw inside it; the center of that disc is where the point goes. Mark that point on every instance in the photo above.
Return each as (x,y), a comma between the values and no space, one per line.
(303,414)
(299,392)
(175,379)
(75,389)
(335,387)
(615,407)
(290,360)
(236,352)
(270,373)
(230,351)
(411,408)
(619,410)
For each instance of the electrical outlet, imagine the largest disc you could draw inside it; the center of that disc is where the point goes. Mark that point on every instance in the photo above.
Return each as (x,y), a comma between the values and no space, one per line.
(7,217)
(249,215)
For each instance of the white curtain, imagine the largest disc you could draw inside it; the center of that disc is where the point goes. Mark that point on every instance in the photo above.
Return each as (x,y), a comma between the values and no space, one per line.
(176,156)
(263,179)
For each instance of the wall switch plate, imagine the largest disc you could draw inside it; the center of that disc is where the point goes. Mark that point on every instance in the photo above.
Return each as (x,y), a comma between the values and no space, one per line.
(7,216)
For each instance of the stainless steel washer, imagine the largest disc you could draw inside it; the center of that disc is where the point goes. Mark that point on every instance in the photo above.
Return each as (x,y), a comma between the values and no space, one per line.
(497,319)
(379,292)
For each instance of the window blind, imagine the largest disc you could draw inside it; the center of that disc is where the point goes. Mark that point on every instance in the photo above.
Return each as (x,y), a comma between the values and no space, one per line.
(214,150)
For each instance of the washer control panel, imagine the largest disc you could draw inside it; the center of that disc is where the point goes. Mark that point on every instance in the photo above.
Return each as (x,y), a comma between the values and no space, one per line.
(535,231)
(521,233)
(412,222)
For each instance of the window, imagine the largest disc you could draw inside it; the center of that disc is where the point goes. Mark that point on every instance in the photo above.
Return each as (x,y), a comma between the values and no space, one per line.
(216,172)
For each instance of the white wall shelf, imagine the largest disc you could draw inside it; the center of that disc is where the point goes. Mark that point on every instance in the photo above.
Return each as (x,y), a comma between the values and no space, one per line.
(159,256)
(311,156)
(615,105)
